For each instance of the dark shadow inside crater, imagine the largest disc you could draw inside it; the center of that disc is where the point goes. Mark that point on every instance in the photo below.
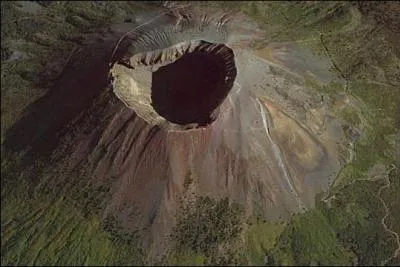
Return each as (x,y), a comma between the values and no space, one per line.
(190,89)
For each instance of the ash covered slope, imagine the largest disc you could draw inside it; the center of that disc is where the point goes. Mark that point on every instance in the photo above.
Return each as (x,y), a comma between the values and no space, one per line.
(263,150)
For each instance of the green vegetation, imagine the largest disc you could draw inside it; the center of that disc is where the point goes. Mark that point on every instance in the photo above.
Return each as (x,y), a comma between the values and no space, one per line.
(56,222)
(189,258)
(391,197)
(309,239)
(284,21)
(350,115)
(48,231)
(355,214)
(207,230)
(343,230)
(261,238)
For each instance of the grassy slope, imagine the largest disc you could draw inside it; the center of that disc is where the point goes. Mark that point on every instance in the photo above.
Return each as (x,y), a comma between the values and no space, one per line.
(262,237)
(47,231)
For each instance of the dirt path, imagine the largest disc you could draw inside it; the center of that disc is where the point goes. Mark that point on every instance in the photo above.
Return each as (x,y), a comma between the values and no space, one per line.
(387,213)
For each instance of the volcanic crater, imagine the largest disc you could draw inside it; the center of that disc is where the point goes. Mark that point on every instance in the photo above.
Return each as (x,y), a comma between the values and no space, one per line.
(180,87)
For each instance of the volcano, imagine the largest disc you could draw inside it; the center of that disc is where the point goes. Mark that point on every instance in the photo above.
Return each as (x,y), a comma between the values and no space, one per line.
(184,96)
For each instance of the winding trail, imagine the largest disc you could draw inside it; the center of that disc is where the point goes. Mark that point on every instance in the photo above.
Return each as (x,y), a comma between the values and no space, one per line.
(387,213)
